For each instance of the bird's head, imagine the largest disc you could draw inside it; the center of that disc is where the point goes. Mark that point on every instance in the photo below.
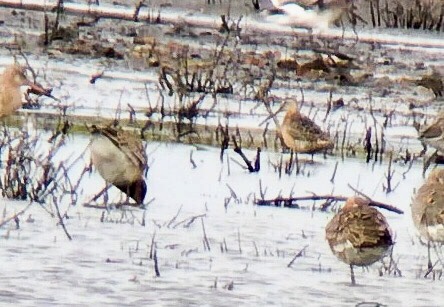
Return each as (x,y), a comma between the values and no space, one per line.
(437,175)
(291,106)
(137,191)
(15,76)
(355,202)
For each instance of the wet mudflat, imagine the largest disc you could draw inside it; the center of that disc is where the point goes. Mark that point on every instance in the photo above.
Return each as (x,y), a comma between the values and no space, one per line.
(213,245)
(249,247)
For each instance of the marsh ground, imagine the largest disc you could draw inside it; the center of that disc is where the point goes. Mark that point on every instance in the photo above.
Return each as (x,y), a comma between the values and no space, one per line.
(244,259)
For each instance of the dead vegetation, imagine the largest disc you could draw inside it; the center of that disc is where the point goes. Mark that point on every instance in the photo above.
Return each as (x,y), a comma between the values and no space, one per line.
(407,14)
(191,75)
(32,173)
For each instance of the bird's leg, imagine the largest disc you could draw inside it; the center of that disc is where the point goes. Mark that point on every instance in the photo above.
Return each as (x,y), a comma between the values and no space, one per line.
(429,264)
(127,195)
(352,275)
(428,161)
(296,161)
(290,163)
(89,167)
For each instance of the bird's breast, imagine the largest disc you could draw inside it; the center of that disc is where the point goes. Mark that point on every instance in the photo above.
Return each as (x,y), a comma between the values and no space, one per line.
(360,256)
(112,164)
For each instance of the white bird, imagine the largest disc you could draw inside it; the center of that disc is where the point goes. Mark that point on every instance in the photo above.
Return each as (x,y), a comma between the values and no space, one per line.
(316,15)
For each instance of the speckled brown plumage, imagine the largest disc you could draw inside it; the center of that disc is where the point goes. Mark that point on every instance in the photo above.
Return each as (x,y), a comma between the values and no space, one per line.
(301,134)
(433,134)
(428,207)
(120,159)
(12,78)
(432,82)
(126,142)
(10,95)
(354,229)
(359,234)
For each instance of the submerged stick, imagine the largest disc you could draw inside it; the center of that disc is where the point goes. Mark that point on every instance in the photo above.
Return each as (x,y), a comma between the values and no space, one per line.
(332,179)
(368,144)
(205,239)
(61,221)
(15,215)
(156,264)
(291,202)
(152,245)
(389,175)
(377,203)
(299,254)
(237,149)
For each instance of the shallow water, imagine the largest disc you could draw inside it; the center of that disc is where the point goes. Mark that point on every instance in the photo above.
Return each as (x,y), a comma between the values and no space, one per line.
(108,262)
(250,247)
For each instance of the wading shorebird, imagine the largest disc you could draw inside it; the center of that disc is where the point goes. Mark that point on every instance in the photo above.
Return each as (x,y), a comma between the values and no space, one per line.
(120,159)
(11,80)
(428,210)
(301,134)
(433,134)
(432,82)
(310,14)
(359,234)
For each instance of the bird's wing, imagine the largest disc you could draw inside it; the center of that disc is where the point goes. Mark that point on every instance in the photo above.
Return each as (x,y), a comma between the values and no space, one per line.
(131,146)
(292,9)
(303,128)
(428,204)
(363,227)
(432,131)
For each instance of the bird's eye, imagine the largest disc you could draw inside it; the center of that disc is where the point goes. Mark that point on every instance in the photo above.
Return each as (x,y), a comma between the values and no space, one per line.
(23,73)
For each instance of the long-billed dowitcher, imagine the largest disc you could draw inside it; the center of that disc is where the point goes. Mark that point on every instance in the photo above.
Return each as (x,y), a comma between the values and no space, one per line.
(359,234)
(432,82)
(301,134)
(11,80)
(428,210)
(433,134)
(120,159)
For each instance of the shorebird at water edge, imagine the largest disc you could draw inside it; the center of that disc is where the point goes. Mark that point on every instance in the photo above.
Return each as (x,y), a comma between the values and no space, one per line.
(120,159)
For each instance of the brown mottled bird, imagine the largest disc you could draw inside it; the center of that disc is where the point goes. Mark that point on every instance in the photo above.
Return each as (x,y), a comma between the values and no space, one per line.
(11,80)
(120,159)
(428,209)
(432,82)
(433,134)
(301,134)
(359,234)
